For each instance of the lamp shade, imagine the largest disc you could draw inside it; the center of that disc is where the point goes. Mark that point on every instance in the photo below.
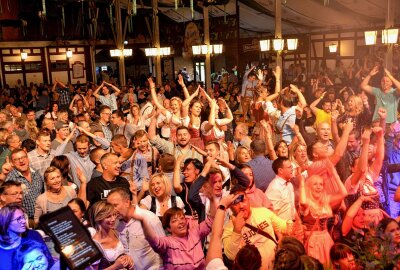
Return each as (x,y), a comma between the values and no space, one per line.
(165,51)
(69,54)
(292,44)
(217,48)
(333,48)
(127,52)
(264,45)
(115,53)
(278,44)
(370,37)
(389,36)
(196,49)
(206,49)
(24,56)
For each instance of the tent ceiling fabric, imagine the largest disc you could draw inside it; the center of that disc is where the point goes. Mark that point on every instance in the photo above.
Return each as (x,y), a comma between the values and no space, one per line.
(298,16)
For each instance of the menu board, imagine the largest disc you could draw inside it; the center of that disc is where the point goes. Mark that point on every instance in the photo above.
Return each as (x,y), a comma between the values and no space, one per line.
(71,238)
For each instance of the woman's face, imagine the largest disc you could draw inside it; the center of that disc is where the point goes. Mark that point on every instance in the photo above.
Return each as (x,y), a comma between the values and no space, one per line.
(53,180)
(195,110)
(18,223)
(63,117)
(317,187)
(345,95)
(350,104)
(55,107)
(175,106)
(393,230)
(135,111)
(347,263)
(300,155)
(359,219)
(36,260)
(167,103)
(243,155)
(157,187)
(249,173)
(76,209)
(109,222)
(282,150)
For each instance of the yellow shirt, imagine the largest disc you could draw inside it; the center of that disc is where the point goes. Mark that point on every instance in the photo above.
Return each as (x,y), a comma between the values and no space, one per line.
(263,219)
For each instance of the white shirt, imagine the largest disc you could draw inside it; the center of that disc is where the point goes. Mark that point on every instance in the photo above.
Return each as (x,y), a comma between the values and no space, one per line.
(281,194)
(132,237)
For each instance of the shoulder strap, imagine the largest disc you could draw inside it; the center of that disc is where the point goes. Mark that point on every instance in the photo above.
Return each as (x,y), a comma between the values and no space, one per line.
(133,165)
(153,206)
(263,233)
(173,201)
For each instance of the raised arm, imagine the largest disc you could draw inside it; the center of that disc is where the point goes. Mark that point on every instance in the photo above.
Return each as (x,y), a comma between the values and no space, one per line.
(61,84)
(351,213)
(313,105)
(95,93)
(362,165)
(187,101)
(365,83)
(302,100)
(376,165)
(336,199)
(215,247)
(211,118)
(268,140)
(342,145)
(177,175)
(334,126)
(229,116)
(194,191)
(150,234)
(71,105)
(182,84)
(82,189)
(116,89)
(154,95)
(302,194)
(152,127)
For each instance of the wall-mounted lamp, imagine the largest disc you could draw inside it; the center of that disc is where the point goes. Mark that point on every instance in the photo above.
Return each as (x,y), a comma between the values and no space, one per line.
(119,53)
(278,44)
(333,48)
(370,37)
(389,36)
(24,56)
(69,54)
(207,49)
(163,51)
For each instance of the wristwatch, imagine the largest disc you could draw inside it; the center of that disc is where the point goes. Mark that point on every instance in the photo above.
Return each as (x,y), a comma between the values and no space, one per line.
(222,207)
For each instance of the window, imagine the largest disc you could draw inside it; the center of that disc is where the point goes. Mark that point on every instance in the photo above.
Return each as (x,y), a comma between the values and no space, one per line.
(33,66)
(13,67)
(59,65)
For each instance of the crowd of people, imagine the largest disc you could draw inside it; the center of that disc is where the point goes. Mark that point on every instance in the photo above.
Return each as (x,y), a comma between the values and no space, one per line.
(282,171)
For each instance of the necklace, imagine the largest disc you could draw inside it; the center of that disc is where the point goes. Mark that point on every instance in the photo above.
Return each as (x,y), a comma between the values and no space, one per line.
(56,192)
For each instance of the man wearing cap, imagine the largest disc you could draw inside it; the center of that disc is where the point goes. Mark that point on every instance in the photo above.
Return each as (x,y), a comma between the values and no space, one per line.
(62,132)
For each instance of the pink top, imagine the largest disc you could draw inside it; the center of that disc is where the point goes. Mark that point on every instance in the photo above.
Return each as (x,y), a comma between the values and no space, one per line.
(184,253)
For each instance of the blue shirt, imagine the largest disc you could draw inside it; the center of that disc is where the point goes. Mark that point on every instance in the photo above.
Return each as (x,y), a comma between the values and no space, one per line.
(285,123)
(262,171)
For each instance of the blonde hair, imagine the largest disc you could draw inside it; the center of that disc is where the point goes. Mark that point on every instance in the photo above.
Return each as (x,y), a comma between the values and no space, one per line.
(358,103)
(99,212)
(164,179)
(320,208)
(292,149)
(240,148)
(31,127)
(50,170)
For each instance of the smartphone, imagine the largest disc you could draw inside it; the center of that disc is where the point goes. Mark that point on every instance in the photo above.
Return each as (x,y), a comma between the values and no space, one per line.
(239,199)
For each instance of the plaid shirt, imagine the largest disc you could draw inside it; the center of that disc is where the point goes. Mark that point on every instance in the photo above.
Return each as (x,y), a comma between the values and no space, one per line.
(64,96)
(31,190)
(40,162)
